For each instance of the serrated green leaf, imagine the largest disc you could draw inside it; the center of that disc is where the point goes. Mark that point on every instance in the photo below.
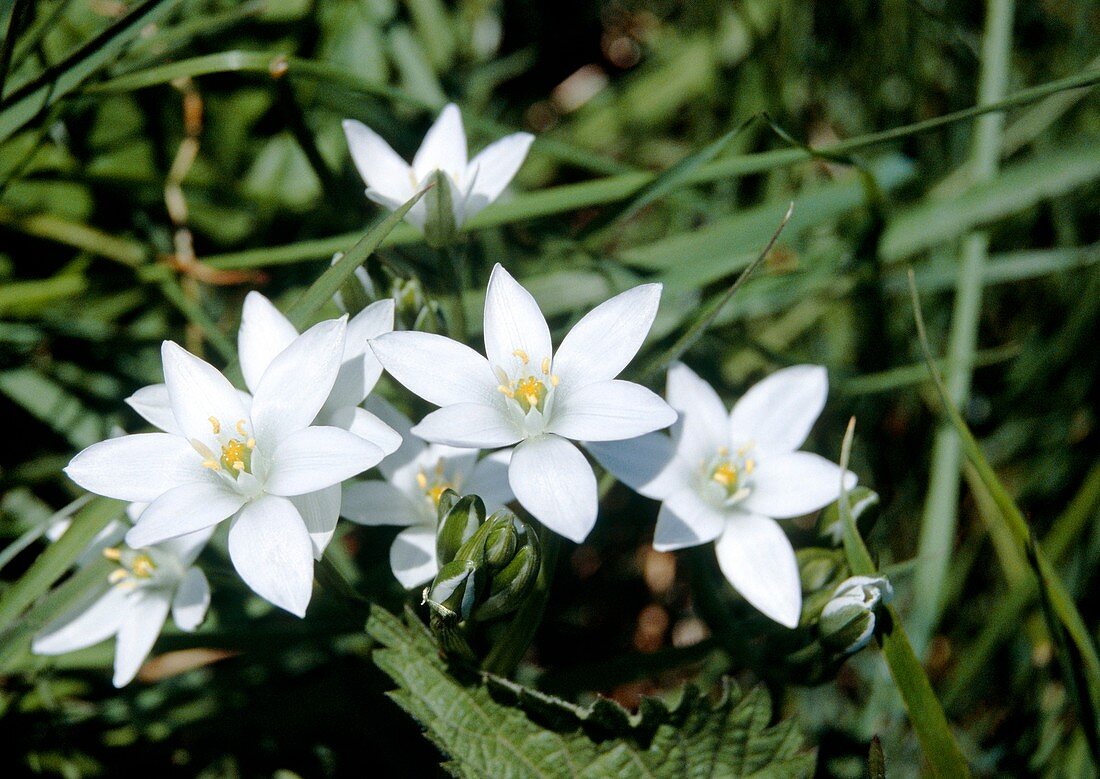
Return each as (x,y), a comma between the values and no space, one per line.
(484,736)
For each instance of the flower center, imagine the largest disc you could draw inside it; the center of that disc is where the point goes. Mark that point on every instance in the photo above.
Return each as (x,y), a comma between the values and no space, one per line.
(528,389)
(135,568)
(236,451)
(435,484)
(730,473)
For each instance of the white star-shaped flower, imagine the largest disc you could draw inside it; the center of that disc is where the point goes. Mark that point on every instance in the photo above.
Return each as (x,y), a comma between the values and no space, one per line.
(728,478)
(525,393)
(147,584)
(415,477)
(391,181)
(257,460)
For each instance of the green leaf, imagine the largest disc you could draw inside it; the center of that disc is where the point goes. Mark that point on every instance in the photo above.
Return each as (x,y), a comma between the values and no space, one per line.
(485,736)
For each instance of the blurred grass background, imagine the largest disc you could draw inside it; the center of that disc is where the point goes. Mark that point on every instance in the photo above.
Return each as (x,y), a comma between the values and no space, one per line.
(153,171)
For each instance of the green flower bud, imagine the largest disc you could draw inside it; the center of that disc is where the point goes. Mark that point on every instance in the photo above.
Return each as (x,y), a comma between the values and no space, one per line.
(451,594)
(848,619)
(819,568)
(439,225)
(511,585)
(356,293)
(501,539)
(459,520)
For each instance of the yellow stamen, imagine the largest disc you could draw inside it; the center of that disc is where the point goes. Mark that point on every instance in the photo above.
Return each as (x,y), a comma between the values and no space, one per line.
(250,443)
(725,474)
(546,365)
(436,492)
(522,356)
(554,380)
(240,428)
(211,465)
(118,575)
(750,465)
(506,391)
(143,566)
(113,553)
(422,480)
(215,425)
(236,455)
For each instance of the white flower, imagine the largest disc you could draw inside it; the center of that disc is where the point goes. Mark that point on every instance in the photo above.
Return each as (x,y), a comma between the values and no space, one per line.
(728,478)
(416,476)
(147,585)
(848,619)
(223,454)
(265,332)
(392,182)
(526,393)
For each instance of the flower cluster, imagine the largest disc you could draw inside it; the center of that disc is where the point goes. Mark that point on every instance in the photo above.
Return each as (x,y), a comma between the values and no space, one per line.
(275,461)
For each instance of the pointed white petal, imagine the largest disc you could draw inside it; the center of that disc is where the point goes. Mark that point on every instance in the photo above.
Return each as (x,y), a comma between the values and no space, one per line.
(552,480)
(139,467)
(758,561)
(264,333)
(608,411)
(778,412)
(793,484)
(198,391)
(155,407)
(382,169)
(317,457)
(187,548)
(185,509)
(412,556)
(436,368)
(469,425)
(320,511)
(444,146)
(489,480)
(191,601)
(685,519)
(379,503)
(607,338)
(645,464)
(515,329)
(410,447)
(297,383)
(493,168)
(138,632)
(363,424)
(86,625)
(704,429)
(273,553)
(360,369)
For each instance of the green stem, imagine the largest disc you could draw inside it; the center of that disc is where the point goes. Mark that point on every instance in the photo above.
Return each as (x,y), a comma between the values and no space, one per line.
(512,646)
(331,579)
(456,258)
(941,509)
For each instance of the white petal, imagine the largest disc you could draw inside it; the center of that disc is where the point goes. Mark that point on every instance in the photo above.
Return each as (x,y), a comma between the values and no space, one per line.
(297,383)
(183,510)
(191,600)
(410,447)
(360,369)
(320,511)
(155,407)
(607,338)
(317,457)
(379,503)
(139,467)
(704,429)
(363,424)
(436,368)
(793,484)
(381,167)
(264,333)
(552,480)
(758,561)
(469,425)
(412,556)
(685,519)
(138,632)
(198,391)
(273,553)
(645,464)
(86,625)
(513,324)
(489,480)
(608,411)
(444,146)
(778,412)
(493,168)
(187,548)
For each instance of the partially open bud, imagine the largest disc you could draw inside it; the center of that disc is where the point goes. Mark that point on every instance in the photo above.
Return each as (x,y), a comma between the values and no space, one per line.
(440,227)
(413,310)
(459,520)
(848,619)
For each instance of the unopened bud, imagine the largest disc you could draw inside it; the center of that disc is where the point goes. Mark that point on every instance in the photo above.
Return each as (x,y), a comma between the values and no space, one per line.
(440,227)
(451,594)
(848,619)
(459,520)
(511,584)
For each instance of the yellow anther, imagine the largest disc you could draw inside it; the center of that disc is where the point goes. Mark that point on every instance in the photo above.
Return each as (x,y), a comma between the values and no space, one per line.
(554,380)
(725,474)
(436,492)
(506,391)
(113,553)
(215,425)
(750,465)
(238,465)
(422,480)
(143,567)
(522,356)
(211,464)
(250,443)
(240,428)
(546,365)
(118,575)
